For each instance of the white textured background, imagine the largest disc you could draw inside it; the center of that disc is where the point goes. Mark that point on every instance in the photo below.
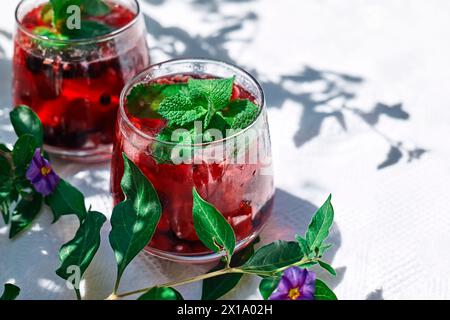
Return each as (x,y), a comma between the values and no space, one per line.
(359,106)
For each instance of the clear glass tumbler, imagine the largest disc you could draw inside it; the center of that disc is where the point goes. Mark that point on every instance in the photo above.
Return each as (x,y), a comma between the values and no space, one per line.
(233,173)
(74,84)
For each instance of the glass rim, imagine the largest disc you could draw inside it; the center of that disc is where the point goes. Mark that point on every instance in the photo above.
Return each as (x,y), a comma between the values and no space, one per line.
(136,80)
(84,41)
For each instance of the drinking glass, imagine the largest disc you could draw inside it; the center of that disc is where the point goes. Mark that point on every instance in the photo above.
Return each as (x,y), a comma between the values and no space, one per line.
(233,173)
(74,85)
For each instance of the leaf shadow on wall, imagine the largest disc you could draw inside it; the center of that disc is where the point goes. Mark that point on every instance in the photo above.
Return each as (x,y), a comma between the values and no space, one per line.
(333,99)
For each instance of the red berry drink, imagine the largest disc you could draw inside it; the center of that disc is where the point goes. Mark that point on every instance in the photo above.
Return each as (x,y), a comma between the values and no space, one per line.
(238,180)
(73,80)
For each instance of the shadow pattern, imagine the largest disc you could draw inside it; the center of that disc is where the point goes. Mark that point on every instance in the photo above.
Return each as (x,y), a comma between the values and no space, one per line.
(175,42)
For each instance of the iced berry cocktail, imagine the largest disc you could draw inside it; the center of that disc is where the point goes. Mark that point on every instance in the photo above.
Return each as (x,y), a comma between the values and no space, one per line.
(72,75)
(200,124)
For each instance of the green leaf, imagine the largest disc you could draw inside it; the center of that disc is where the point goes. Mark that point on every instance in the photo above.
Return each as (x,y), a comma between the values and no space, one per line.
(180,110)
(26,121)
(4,148)
(143,100)
(95,7)
(11,292)
(267,286)
(23,153)
(274,256)
(323,292)
(217,93)
(82,248)
(66,200)
(88,8)
(327,267)
(7,190)
(25,212)
(133,221)
(214,288)
(241,113)
(161,293)
(89,29)
(51,35)
(211,226)
(320,225)
(303,245)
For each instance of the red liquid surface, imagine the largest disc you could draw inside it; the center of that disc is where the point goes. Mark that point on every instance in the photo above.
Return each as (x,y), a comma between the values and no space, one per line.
(238,191)
(75,91)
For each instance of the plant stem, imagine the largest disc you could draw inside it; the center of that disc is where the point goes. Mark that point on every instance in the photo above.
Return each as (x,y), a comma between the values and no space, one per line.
(178,283)
(226,270)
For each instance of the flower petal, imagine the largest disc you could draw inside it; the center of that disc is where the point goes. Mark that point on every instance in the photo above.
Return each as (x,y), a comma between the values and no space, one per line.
(296,276)
(41,186)
(309,287)
(279,296)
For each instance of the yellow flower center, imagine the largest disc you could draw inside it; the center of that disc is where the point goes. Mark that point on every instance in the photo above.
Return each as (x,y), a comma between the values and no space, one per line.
(45,171)
(294,293)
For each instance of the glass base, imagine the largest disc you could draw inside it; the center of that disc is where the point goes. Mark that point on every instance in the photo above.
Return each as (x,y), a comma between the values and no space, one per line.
(99,154)
(202,258)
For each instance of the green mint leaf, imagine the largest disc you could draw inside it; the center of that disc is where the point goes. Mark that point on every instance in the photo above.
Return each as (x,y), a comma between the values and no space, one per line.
(211,227)
(241,113)
(267,286)
(217,122)
(26,121)
(95,7)
(23,153)
(66,200)
(82,248)
(323,292)
(59,7)
(162,148)
(180,110)
(51,35)
(215,92)
(89,29)
(214,288)
(47,13)
(143,100)
(273,256)
(327,267)
(11,292)
(24,214)
(88,8)
(134,220)
(161,293)
(320,225)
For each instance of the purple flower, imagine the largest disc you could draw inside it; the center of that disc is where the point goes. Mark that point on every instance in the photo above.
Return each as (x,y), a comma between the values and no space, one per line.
(41,174)
(295,284)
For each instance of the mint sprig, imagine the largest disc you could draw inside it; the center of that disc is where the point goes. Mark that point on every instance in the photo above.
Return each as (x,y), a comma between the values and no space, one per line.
(213,94)
(57,15)
(181,104)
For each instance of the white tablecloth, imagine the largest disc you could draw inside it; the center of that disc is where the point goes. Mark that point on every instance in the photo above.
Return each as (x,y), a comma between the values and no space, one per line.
(359,107)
